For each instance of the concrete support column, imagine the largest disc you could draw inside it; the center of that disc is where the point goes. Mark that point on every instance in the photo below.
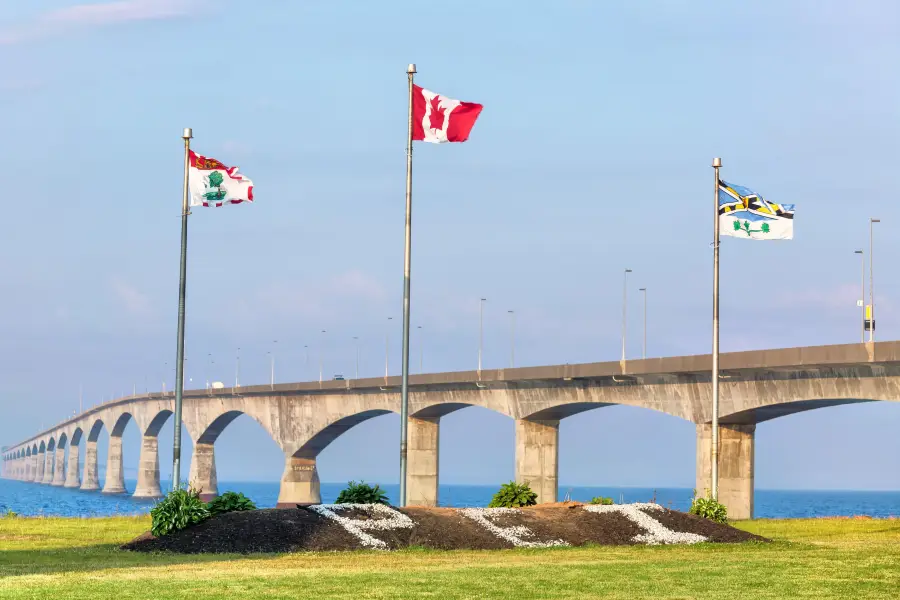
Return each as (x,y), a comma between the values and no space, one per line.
(203,471)
(422,461)
(148,469)
(736,465)
(299,483)
(91,480)
(26,467)
(537,457)
(41,466)
(115,478)
(72,478)
(34,468)
(48,468)
(59,473)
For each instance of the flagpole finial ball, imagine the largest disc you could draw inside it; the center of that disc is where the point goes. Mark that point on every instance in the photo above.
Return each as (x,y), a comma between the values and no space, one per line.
(188,134)
(411,68)
(717,162)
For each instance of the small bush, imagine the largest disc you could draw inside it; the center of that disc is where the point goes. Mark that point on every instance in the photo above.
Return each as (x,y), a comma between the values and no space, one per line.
(179,509)
(362,493)
(10,514)
(230,502)
(602,500)
(513,495)
(709,509)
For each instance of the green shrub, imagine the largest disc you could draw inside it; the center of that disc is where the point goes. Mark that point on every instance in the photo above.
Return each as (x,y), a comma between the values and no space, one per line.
(362,493)
(179,509)
(709,509)
(513,495)
(602,500)
(230,502)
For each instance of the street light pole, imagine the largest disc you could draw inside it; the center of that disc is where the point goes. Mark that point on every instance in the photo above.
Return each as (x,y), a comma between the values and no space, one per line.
(862,294)
(387,335)
(872,280)
(321,359)
(272,376)
(512,338)
(480,333)
(421,348)
(356,339)
(624,309)
(644,346)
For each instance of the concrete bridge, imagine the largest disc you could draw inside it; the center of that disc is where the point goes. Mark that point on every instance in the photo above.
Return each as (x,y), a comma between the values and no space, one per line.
(303,418)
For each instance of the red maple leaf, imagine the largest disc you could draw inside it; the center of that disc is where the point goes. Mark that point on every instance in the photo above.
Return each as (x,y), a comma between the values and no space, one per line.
(436,120)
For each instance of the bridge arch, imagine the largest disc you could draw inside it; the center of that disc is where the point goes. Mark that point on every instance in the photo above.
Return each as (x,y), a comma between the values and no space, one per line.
(43,447)
(763,413)
(63,438)
(320,440)
(120,424)
(96,429)
(76,436)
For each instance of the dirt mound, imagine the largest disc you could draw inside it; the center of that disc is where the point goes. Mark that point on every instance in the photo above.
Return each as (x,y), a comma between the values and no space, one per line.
(352,527)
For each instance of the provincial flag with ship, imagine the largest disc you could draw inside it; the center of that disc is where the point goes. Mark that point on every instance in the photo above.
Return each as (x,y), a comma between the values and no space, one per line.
(214,184)
(744,213)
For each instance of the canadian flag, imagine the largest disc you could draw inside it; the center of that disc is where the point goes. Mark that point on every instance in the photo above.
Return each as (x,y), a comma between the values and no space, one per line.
(438,119)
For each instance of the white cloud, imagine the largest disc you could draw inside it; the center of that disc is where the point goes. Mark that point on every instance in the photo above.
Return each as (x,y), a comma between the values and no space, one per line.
(99,14)
(131,299)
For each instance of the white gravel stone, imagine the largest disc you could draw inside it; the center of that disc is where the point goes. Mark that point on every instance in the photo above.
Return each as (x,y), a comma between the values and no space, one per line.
(384,518)
(513,534)
(656,533)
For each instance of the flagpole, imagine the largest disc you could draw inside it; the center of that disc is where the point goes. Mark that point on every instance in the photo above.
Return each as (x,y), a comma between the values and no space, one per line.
(182,292)
(404,385)
(717,163)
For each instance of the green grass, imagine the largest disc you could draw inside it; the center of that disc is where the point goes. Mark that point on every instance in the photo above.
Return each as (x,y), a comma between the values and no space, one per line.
(818,558)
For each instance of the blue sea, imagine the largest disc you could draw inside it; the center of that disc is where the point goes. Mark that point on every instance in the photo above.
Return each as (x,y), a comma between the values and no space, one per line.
(33,499)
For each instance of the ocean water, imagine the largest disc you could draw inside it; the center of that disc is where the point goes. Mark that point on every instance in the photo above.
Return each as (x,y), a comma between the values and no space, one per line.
(32,499)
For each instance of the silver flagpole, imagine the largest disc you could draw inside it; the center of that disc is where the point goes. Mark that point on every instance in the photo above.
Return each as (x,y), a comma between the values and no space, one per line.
(404,385)
(717,163)
(182,292)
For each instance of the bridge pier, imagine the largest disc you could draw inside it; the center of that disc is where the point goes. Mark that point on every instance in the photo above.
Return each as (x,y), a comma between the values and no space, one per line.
(203,471)
(59,473)
(736,465)
(50,459)
(72,479)
(91,480)
(34,466)
(299,483)
(39,475)
(537,457)
(423,442)
(115,478)
(148,469)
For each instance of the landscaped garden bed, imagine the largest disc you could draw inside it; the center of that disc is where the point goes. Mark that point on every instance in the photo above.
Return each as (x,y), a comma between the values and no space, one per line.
(377,526)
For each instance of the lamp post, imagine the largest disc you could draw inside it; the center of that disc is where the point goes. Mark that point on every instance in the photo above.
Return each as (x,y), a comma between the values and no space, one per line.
(356,341)
(387,334)
(862,294)
(481,333)
(321,358)
(512,338)
(624,309)
(237,368)
(644,345)
(209,363)
(872,279)
(421,348)
(272,375)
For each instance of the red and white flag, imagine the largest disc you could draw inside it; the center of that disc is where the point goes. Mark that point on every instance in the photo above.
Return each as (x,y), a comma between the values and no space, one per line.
(438,119)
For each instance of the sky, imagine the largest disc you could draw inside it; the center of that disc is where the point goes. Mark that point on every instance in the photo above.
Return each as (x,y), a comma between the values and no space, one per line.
(592,155)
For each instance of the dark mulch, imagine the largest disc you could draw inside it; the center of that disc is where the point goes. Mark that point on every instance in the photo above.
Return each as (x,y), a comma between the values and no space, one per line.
(267,530)
(289,530)
(714,532)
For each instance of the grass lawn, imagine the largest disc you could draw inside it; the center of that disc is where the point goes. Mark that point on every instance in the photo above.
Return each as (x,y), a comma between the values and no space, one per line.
(818,558)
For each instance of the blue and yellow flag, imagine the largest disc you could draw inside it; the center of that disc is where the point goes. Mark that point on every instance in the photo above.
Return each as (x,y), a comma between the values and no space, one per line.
(744,213)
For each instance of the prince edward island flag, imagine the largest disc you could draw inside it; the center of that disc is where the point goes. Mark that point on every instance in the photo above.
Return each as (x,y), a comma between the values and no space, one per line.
(745,214)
